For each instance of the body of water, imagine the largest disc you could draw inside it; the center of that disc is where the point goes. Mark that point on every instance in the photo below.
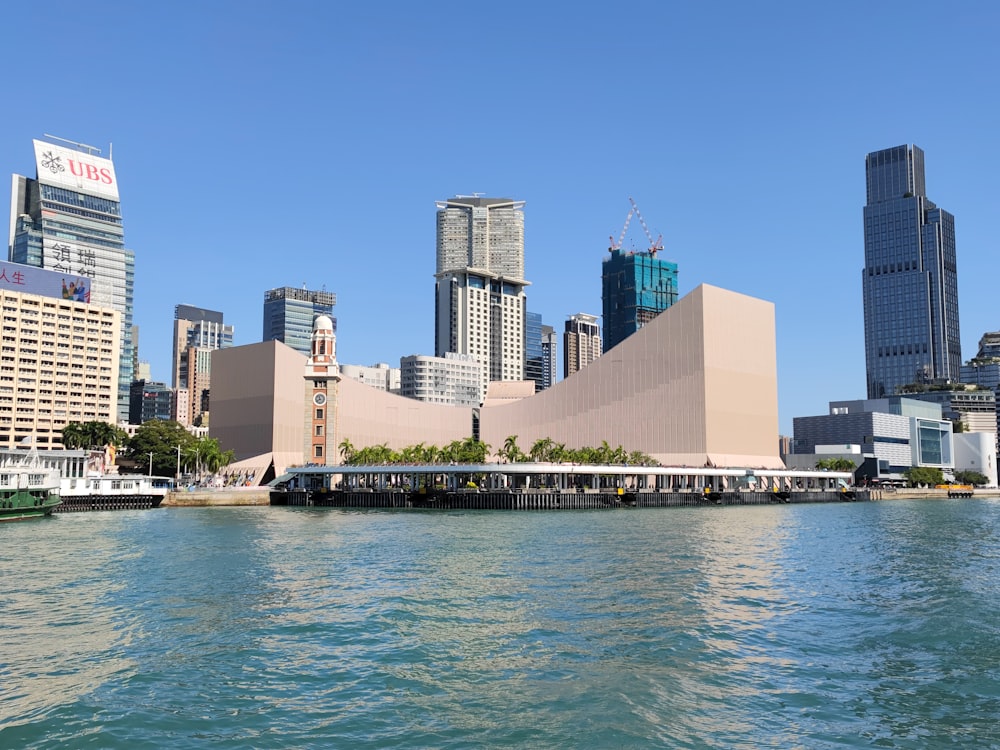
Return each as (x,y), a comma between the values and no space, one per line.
(822,626)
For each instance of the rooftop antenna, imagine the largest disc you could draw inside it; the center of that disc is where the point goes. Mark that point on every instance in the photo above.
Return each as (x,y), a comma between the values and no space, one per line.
(90,149)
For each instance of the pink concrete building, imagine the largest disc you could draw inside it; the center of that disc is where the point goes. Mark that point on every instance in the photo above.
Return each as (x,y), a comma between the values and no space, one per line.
(695,386)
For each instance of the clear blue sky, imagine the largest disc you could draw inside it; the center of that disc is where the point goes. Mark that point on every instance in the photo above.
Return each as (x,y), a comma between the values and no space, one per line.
(264,144)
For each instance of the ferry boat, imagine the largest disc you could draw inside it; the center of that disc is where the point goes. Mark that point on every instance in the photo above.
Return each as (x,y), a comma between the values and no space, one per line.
(28,490)
(113,492)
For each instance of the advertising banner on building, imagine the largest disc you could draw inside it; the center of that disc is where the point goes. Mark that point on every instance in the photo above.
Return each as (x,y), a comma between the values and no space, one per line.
(75,170)
(30,280)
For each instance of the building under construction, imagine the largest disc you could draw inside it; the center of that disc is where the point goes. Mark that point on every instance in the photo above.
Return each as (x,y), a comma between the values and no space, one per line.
(635,286)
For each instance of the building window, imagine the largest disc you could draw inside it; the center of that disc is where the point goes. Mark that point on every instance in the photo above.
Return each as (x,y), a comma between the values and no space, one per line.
(319,430)
(319,414)
(319,451)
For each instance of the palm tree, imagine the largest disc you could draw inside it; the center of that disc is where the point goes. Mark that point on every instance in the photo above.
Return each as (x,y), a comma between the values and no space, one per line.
(73,436)
(510,452)
(347,451)
(540,449)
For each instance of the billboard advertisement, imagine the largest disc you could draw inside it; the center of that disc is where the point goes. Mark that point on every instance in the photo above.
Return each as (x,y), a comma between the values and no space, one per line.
(30,280)
(75,170)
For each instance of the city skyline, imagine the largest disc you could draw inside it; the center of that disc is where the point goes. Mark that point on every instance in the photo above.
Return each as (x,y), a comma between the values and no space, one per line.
(739,132)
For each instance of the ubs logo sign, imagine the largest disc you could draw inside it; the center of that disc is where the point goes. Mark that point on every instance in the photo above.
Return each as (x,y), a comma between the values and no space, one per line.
(52,163)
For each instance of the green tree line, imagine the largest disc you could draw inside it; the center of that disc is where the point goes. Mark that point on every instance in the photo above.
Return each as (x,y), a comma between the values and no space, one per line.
(158,446)
(472,451)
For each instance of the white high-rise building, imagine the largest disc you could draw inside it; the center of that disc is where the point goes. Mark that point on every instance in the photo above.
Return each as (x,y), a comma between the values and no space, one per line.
(479,284)
(452,379)
(379,376)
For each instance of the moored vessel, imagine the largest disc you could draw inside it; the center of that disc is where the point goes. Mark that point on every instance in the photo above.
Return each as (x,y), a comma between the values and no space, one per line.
(28,490)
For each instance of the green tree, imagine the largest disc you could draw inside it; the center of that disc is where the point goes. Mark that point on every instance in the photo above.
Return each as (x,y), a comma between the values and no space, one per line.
(924,475)
(161,438)
(540,450)
(835,464)
(970,477)
(510,451)
(347,451)
(95,434)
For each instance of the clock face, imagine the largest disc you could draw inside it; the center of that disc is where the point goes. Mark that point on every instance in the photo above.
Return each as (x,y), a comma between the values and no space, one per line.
(319,399)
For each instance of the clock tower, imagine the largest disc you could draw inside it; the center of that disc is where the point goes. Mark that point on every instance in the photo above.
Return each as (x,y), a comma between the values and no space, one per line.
(321,378)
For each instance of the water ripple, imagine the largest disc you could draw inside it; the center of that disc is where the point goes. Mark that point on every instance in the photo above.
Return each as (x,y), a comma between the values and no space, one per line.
(853,625)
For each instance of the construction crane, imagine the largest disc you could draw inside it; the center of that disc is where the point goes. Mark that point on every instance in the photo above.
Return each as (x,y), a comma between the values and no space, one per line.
(621,237)
(654,245)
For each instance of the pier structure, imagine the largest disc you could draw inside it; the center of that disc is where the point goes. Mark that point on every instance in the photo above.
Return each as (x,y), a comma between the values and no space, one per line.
(518,486)
(561,476)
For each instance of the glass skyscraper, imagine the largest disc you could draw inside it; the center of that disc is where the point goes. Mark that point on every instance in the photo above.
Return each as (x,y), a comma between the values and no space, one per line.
(910,278)
(289,314)
(635,288)
(534,364)
(68,219)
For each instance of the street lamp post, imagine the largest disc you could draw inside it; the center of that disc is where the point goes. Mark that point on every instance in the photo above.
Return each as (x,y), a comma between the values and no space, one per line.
(151,463)
(177,476)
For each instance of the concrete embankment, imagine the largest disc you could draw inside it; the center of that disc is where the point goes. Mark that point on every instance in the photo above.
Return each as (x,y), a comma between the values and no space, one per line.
(222,497)
(261,496)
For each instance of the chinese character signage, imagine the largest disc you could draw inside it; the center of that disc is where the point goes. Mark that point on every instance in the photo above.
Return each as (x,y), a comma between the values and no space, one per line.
(30,280)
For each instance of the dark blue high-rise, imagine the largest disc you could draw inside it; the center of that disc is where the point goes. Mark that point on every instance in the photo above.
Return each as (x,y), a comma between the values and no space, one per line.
(910,278)
(635,288)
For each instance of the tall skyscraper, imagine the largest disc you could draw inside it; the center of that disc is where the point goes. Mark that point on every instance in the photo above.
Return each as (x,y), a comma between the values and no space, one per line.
(582,342)
(68,219)
(534,365)
(289,315)
(635,288)
(197,333)
(910,279)
(550,356)
(479,283)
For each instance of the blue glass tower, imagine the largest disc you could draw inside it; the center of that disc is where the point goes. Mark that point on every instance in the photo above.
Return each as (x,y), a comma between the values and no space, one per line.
(636,287)
(534,357)
(910,278)
(289,315)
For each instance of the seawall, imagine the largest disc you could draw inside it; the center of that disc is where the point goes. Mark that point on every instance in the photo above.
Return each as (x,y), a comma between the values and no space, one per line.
(221,497)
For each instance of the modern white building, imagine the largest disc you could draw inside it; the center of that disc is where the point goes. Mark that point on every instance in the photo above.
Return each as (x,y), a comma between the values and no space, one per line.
(976,451)
(68,219)
(59,359)
(379,376)
(581,342)
(479,284)
(453,379)
(896,433)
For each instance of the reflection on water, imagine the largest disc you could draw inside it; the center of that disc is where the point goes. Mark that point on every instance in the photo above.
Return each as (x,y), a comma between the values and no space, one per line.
(786,626)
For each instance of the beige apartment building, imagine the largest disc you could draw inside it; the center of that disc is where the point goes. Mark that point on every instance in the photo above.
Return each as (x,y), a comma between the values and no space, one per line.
(58,364)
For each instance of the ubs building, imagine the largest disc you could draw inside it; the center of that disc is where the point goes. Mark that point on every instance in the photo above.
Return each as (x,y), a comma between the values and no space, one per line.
(68,219)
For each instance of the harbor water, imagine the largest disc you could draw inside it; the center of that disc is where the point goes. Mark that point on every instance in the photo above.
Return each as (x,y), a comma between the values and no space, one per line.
(846,625)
